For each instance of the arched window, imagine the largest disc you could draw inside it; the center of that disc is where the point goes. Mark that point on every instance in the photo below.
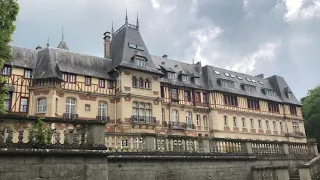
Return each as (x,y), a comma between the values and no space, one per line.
(71,106)
(175,115)
(134,81)
(140,83)
(147,84)
(102,111)
(42,105)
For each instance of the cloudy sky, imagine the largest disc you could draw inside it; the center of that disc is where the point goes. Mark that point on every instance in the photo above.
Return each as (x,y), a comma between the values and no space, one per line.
(250,36)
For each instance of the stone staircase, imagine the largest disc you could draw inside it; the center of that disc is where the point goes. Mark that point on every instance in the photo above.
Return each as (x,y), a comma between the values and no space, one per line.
(295,175)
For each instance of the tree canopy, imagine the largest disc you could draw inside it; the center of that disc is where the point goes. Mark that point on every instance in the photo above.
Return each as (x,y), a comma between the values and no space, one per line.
(311,113)
(8,12)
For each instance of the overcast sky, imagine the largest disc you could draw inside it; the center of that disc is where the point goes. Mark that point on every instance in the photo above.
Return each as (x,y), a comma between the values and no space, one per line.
(251,36)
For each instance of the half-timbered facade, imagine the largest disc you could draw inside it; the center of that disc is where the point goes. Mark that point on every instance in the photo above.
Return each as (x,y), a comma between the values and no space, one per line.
(137,92)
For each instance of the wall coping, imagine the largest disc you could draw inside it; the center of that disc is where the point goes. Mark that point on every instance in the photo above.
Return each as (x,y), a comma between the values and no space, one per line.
(269,167)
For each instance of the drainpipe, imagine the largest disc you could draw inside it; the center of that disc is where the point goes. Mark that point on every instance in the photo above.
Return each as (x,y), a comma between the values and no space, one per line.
(115,100)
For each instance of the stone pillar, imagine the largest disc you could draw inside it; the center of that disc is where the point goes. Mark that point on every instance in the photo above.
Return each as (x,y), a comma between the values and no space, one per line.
(285,148)
(314,149)
(97,135)
(205,145)
(282,174)
(150,143)
(248,145)
(304,173)
(255,175)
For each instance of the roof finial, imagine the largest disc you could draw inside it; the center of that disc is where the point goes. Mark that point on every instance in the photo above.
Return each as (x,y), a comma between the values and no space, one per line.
(192,60)
(62,38)
(112,30)
(137,21)
(126,17)
(48,42)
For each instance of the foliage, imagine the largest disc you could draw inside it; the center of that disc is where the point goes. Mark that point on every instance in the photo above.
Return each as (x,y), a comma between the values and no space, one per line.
(42,135)
(8,12)
(311,113)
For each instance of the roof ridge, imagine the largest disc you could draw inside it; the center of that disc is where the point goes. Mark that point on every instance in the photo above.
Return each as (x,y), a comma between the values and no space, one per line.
(76,52)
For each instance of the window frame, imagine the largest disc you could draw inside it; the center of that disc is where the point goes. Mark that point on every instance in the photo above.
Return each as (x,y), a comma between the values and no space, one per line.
(295,126)
(176,94)
(102,83)
(259,124)
(230,100)
(205,120)
(225,121)
(293,109)
(196,80)
(188,117)
(134,81)
(43,107)
(86,82)
(184,77)
(175,117)
(235,122)
(267,125)
(140,83)
(26,106)
(65,77)
(243,122)
(72,78)
(187,96)
(102,110)
(274,123)
(171,75)
(71,106)
(198,119)
(8,100)
(25,73)
(252,123)
(147,84)
(273,107)
(5,68)
(253,104)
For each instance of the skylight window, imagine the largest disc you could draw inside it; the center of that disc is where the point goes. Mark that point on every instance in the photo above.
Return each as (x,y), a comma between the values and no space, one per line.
(227,74)
(260,82)
(253,80)
(133,46)
(233,76)
(239,77)
(217,72)
(141,48)
(248,79)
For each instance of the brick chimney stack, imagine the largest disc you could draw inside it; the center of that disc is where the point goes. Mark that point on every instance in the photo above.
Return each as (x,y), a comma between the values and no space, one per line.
(107,41)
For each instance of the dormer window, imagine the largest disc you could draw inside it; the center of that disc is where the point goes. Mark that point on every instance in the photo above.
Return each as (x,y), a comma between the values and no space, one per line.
(133,46)
(289,95)
(288,92)
(270,92)
(171,75)
(139,61)
(249,88)
(197,80)
(226,83)
(141,48)
(184,77)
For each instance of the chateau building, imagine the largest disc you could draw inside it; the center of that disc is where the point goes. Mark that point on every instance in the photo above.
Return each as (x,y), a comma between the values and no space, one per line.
(136,92)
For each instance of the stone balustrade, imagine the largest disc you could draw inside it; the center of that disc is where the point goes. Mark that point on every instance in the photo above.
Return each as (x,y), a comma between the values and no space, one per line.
(270,173)
(90,134)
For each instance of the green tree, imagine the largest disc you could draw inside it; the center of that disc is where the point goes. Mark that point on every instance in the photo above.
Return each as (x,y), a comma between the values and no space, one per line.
(8,12)
(311,113)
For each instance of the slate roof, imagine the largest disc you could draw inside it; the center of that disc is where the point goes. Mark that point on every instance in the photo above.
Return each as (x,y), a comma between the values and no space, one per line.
(209,80)
(122,54)
(23,57)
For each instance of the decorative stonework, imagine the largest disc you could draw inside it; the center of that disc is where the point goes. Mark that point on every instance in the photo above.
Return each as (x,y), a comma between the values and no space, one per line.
(226,128)
(60,94)
(87,97)
(156,93)
(235,129)
(155,78)
(39,92)
(253,131)
(126,73)
(275,132)
(127,88)
(261,131)
(244,130)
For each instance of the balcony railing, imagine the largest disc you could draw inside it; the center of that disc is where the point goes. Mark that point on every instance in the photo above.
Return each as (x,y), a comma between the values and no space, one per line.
(143,119)
(295,134)
(177,125)
(164,124)
(70,116)
(201,104)
(103,118)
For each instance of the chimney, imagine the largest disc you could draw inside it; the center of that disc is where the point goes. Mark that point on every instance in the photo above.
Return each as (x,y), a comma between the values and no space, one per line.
(260,75)
(164,56)
(199,67)
(106,43)
(38,47)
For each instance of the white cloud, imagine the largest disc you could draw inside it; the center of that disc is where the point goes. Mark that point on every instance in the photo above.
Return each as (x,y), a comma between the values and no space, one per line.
(155,4)
(247,63)
(296,12)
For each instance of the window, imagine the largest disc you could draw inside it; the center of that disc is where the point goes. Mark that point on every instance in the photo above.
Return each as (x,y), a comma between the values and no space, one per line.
(110,84)
(227,83)
(102,83)
(240,78)
(243,122)
(162,91)
(147,84)
(142,111)
(235,122)
(233,76)
(175,116)
(87,81)
(87,107)
(71,106)
(293,109)
(248,79)
(139,61)
(205,97)
(273,107)
(65,77)
(162,115)
(274,126)
(27,73)
(187,96)
(281,126)
(205,121)
(6,70)
(250,88)
(267,125)
(289,95)
(295,126)
(141,48)
(227,74)
(134,82)
(217,72)
(102,111)
(198,99)
(23,104)
(259,123)
(171,75)
(184,78)
(252,123)
(188,117)
(270,93)
(174,94)
(140,83)
(260,82)
(253,104)
(72,78)
(230,100)
(42,105)
(197,80)
(198,120)
(131,45)
(225,118)
(7,102)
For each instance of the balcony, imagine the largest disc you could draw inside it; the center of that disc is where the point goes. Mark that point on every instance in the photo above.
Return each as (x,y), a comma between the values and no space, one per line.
(70,116)
(103,118)
(143,120)
(296,135)
(200,104)
(164,124)
(177,125)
